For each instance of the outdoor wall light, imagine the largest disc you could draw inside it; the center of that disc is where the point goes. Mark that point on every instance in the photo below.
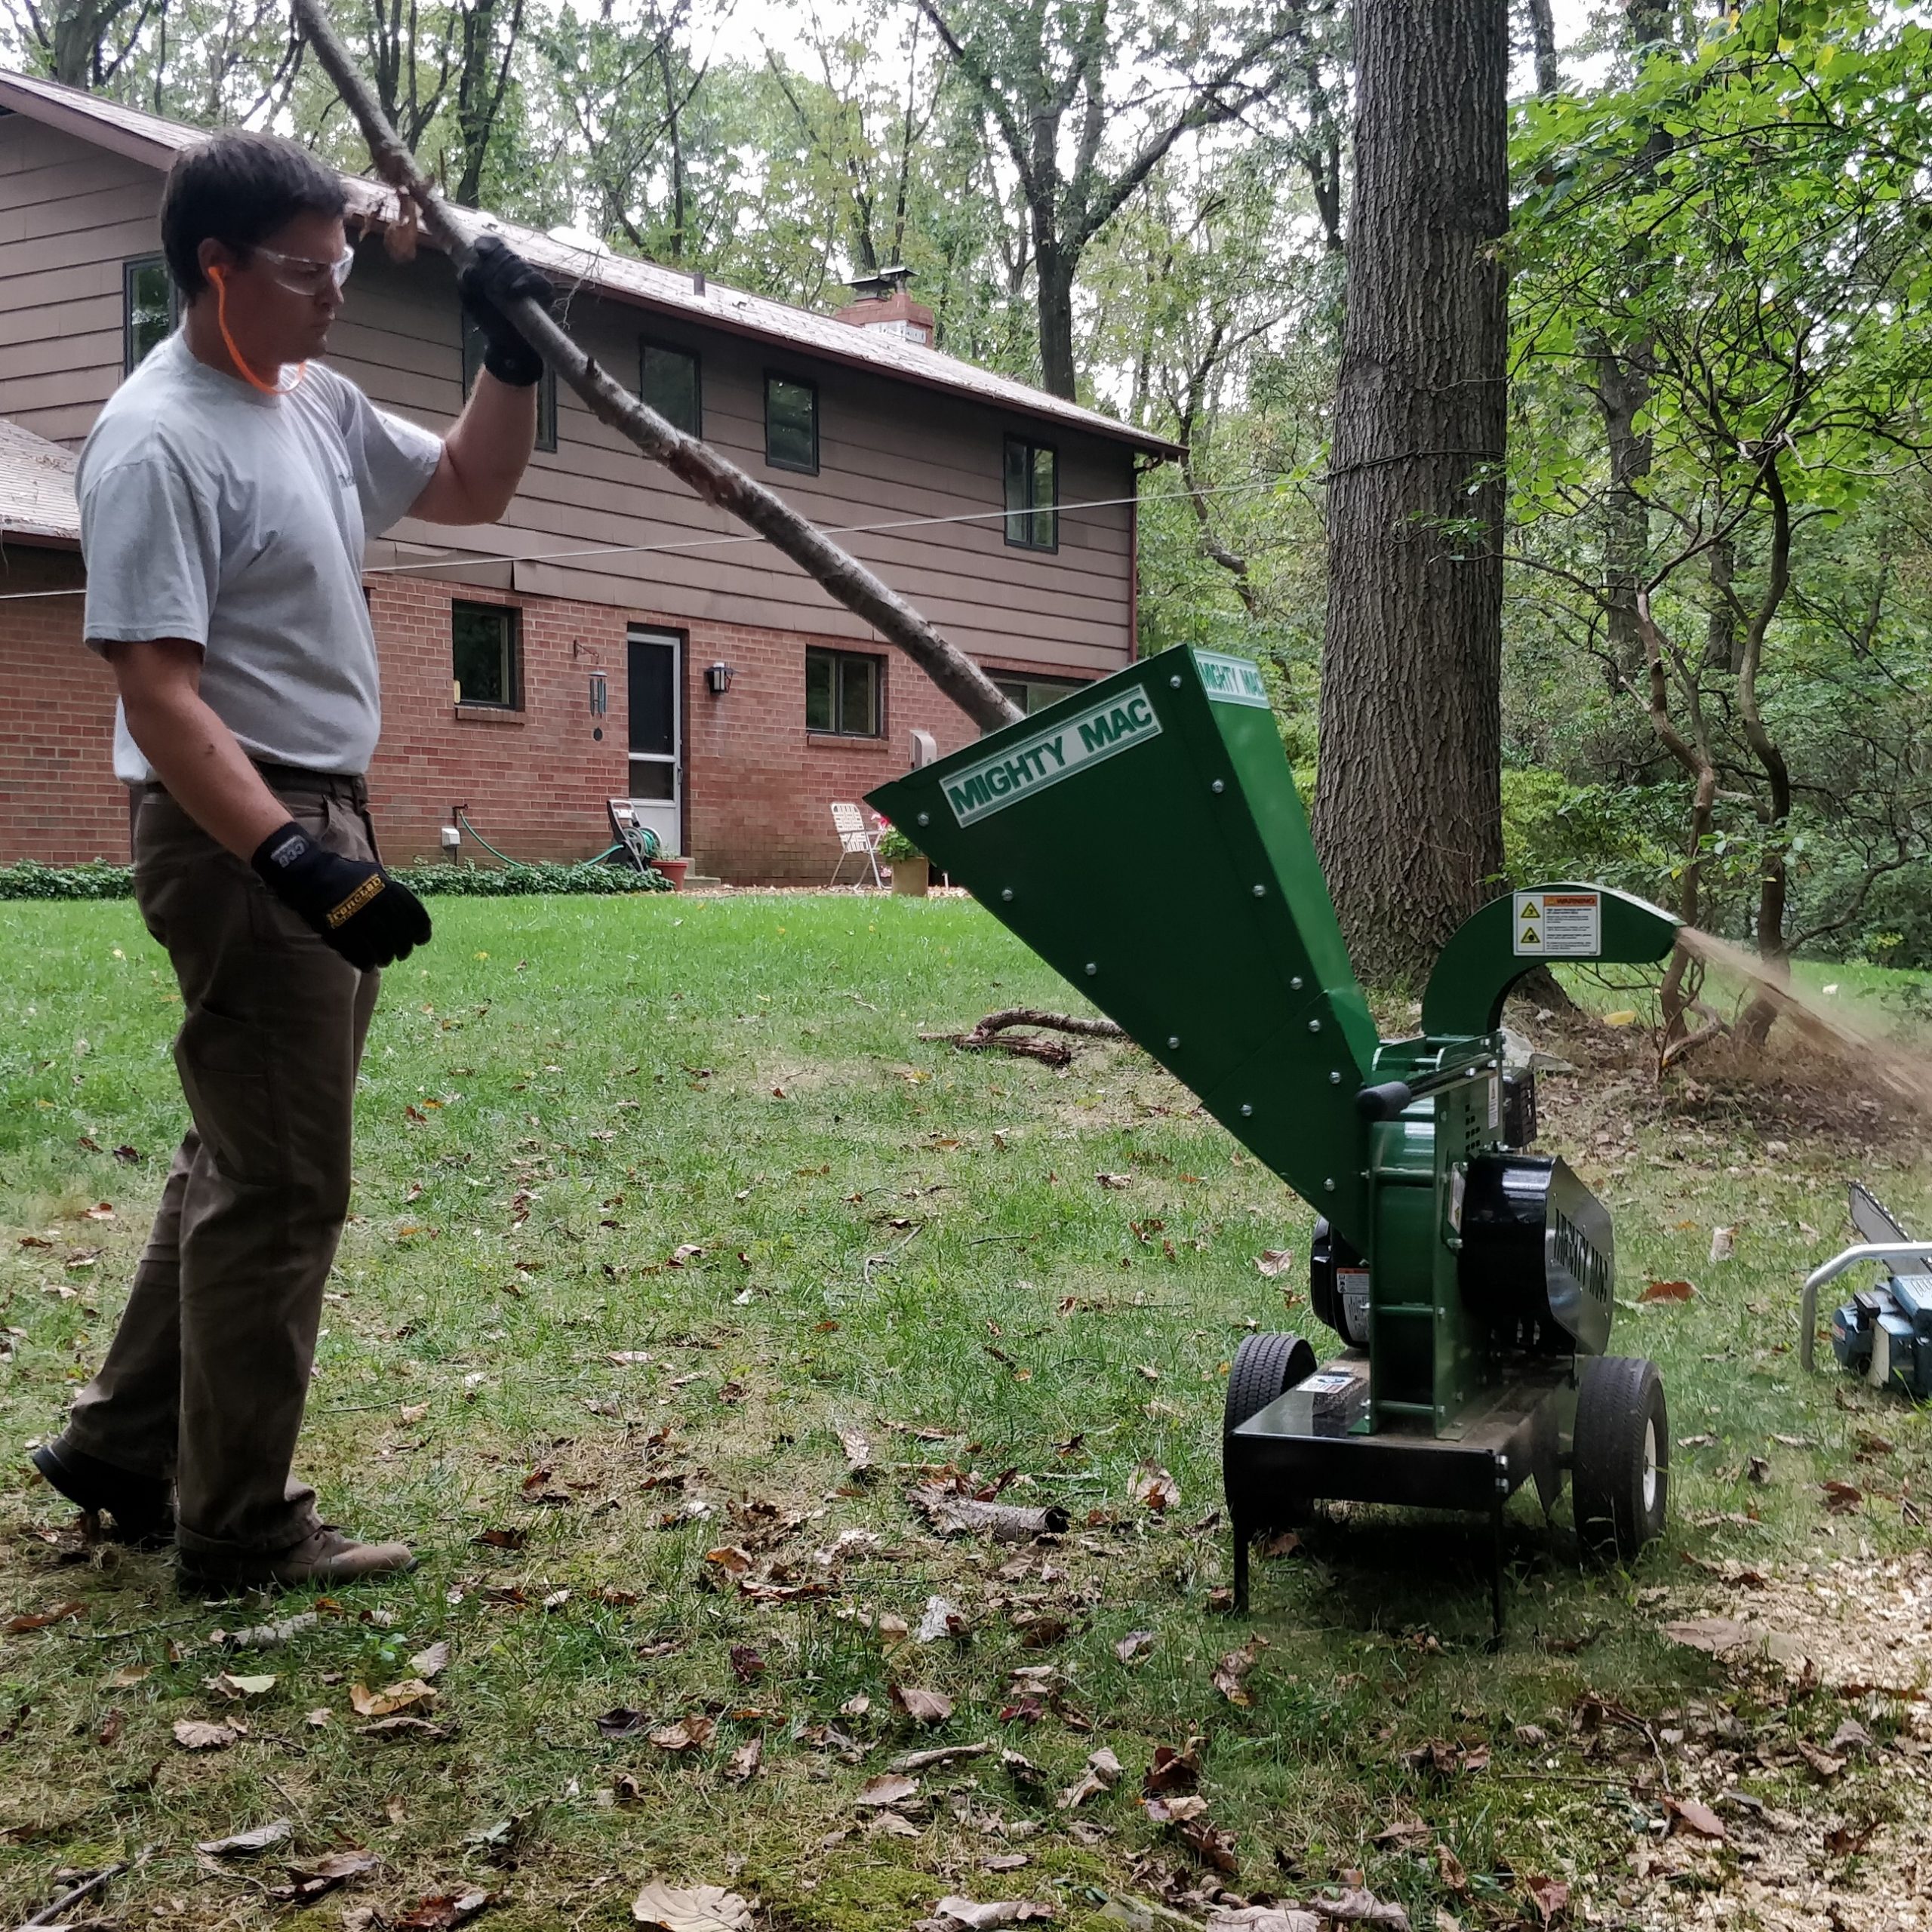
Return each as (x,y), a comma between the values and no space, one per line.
(600,694)
(718,679)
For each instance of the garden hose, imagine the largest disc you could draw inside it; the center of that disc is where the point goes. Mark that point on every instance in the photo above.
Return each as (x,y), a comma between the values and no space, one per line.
(609,852)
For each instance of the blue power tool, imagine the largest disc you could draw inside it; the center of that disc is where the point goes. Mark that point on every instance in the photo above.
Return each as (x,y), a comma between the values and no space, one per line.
(1883,1334)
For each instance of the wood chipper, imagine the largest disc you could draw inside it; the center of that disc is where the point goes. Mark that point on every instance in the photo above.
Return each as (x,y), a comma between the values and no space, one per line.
(1145,838)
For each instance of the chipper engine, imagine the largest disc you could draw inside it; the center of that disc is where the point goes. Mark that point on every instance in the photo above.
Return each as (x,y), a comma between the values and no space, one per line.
(1145,838)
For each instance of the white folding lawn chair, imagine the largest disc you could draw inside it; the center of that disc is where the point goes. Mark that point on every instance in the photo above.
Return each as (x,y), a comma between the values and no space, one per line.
(856,836)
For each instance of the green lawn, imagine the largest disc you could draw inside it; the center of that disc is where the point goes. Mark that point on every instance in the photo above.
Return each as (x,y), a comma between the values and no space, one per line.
(708,1132)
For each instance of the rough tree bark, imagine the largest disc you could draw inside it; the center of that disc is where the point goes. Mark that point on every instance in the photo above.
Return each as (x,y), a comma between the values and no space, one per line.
(1407,806)
(693,462)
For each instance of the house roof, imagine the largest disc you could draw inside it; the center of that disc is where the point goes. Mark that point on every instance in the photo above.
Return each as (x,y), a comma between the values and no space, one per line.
(149,138)
(36,488)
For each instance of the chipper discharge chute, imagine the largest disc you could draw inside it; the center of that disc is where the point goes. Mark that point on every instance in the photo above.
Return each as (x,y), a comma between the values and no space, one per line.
(1145,837)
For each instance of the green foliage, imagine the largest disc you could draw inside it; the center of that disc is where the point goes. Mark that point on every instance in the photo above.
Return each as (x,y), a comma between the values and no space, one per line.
(1553,830)
(28,879)
(894,845)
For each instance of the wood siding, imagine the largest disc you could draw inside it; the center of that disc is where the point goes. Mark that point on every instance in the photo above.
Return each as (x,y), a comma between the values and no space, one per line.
(70,215)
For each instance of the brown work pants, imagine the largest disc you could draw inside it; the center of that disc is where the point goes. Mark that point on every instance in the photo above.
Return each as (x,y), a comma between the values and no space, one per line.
(208,1371)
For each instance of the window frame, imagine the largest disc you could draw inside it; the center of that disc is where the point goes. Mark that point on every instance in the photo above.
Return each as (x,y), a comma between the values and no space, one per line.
(806,383)
(645,343)
(1008,682)
(1011,516)
(839,660)
(546,387)
(513,704)
(130,362)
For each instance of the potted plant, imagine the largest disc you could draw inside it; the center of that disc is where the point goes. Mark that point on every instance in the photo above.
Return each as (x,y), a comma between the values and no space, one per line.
(912,870)
(673,867)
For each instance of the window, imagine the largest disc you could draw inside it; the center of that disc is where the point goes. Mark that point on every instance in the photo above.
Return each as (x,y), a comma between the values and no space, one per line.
(485,656)
(791,424)
(1033,694)
(1032,495)
(668,382)
(844,693)
(149,308)
(546,387)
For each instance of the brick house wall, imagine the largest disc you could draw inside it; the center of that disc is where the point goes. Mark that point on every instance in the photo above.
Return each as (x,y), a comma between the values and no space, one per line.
(59,802)
(759,787)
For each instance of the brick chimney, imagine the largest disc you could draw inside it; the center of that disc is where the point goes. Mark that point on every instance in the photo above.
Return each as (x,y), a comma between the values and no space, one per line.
(883,304)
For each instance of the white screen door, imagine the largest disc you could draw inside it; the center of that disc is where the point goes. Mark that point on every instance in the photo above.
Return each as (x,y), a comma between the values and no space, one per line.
(657,769)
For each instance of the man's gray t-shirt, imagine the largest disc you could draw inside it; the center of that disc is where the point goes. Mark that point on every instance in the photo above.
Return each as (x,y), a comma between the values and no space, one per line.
(212,512)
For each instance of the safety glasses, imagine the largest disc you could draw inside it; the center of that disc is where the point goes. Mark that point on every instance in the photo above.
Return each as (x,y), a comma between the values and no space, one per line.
(304,277)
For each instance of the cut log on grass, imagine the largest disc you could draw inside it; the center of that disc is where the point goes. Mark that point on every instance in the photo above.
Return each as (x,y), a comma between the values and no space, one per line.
(991,1032)
(693,462)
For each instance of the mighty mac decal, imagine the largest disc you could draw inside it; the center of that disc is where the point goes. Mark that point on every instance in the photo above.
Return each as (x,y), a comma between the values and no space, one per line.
(994,783)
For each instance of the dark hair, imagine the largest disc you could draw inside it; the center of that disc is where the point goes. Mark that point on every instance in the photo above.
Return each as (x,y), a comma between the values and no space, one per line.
(237,188)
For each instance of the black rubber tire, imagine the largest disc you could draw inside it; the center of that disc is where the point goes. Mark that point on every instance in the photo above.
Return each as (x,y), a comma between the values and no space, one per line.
(1264,1368)
(1620,1482)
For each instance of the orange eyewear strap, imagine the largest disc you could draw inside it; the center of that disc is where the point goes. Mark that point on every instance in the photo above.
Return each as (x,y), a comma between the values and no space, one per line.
(219,278)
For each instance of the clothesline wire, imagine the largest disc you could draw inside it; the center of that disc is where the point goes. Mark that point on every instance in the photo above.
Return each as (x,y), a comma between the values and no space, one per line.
(445,563)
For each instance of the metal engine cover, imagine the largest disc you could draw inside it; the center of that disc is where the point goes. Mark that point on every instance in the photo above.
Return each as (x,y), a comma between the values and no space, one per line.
(1538,1261)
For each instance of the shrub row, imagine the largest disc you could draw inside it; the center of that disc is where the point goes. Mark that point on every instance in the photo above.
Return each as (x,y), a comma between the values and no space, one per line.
(29,879)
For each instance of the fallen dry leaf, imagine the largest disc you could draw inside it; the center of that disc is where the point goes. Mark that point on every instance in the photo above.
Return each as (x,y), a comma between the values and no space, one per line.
(1356,1905)
(887,1789)
(971,1913)
(1155,1487)
(1274,1262)
(245,1844)
(235,1689)
(1551,1896)
(1691,1815)
(922,1706)
(691,1733)
(310,1881)
(39,1620)
(745,1760)
(431,1663)
(1135,1644)
(691,1909)
(1667,1291)
(1841,1497)
(403,1697)
(440,1911)
(197,1734)
(1174,1771)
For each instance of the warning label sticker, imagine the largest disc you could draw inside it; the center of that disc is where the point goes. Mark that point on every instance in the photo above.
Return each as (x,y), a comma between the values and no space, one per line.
(1559,925)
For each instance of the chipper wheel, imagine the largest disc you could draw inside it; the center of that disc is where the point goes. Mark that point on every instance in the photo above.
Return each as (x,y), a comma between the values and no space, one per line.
(1619,1483)
(1265,1367)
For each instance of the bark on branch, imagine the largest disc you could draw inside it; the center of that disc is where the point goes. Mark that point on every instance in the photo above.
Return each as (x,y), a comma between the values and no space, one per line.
(991,1032)
(693,462)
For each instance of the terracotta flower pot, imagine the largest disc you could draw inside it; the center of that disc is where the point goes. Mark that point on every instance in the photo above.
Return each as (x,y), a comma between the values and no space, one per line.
(674,869)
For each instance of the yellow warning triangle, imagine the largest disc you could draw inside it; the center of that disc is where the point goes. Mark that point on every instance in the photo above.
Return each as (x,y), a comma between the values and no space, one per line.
(1531,937)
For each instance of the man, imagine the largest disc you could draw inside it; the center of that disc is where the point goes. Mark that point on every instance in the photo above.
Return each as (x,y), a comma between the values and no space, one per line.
(226,493)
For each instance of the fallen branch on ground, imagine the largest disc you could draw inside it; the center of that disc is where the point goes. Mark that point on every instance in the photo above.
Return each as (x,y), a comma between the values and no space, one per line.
(991,1032)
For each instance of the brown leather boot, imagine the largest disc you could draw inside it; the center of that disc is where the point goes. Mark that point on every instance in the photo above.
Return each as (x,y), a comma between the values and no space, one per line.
(322,1559)
(142,1506)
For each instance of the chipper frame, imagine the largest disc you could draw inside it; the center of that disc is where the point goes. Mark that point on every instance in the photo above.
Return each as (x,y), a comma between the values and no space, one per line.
(1145,838)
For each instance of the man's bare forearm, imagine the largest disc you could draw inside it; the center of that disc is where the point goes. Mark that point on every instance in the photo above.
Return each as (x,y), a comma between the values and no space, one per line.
(193,753)
(489,446)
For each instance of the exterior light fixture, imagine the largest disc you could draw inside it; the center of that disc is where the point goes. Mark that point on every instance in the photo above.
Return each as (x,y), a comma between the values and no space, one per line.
(717,678)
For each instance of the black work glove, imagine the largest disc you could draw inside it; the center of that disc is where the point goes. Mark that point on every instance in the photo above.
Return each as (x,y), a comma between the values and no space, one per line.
(369,917)
(497,275)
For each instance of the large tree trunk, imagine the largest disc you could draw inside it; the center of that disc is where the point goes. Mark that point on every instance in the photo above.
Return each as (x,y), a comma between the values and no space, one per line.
(1055,271)
(1407,811)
